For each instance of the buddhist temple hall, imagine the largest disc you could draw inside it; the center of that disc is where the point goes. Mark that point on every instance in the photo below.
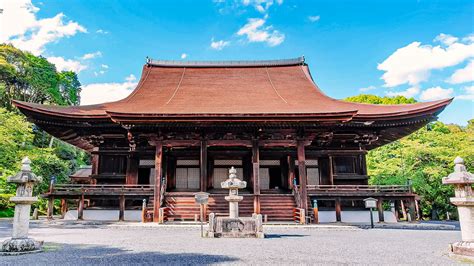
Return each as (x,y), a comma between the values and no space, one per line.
(187,123)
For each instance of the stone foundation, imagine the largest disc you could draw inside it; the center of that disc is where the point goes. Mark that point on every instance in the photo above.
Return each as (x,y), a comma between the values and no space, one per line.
(249,227)
(463,248)
(16,246)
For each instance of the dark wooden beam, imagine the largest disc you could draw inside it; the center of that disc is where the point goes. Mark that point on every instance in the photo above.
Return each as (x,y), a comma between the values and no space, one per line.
(158,173)
(338,209)
(303,181)
(122,208)
(256,175)
(50,210)
(230,143)
(380,209)
(181,143)
(131,175)
(80,208)
(331,170)
(95,162)
(291,171)
(203,165)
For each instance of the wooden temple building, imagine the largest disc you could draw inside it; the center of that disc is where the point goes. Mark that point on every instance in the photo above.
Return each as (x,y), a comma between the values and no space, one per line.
(187,123)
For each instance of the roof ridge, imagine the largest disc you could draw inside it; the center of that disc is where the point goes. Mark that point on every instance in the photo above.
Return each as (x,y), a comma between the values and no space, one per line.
(232,63)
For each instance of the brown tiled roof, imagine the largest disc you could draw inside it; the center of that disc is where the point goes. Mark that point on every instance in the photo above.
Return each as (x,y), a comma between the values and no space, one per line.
(246,89)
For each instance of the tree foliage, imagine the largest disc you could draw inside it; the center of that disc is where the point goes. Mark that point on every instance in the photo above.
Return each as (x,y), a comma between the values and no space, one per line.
(424,157)
(374,99)
(30,78)
(26,77)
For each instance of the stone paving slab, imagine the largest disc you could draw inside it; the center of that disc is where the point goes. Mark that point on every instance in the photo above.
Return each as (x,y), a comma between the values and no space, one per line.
(85,242)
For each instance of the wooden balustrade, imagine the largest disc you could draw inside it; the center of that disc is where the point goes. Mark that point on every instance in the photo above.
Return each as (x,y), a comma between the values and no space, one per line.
(403,189)
(78,189)
(299,215)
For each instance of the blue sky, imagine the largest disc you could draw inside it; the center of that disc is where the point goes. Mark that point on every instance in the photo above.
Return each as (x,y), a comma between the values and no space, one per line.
(423,49)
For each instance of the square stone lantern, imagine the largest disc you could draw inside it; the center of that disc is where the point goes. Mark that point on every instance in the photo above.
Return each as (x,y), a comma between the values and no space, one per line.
(464,201)
(235,226)
(20,243)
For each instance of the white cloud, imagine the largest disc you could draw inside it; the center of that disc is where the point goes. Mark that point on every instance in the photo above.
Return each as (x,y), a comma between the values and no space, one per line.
(436,93)
(219,45)
(183,56)
(255,31)
(104,66)
(413,63)
(468,94)
(410,92)
(66,64)
(446,39)
(24,30)
(463,75)
(101,31)
(314,18)
(100,72)
(107,92)
(370,88)
(91,55)
(261,6)
(131,78)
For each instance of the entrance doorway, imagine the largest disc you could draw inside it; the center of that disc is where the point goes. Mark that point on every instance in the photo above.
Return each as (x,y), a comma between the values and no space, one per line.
(275,177)
(144,176)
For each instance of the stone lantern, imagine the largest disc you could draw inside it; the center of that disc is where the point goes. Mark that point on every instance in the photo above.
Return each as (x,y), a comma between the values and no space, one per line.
(233,184)
(464,201)
(25,180)
(235,226)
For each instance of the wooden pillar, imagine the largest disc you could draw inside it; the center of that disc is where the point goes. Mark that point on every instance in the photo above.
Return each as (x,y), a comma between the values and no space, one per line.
(380,210)
(363,164)
(131,177)
(338,209)
(397,210)
(50,210)
(95,161)
(303,181)
(291,171)
(158,172)
(412,209)
(63,208)
(404,210)
(203,166)
(80,208)
(122,208)
(256,176)
(331,170)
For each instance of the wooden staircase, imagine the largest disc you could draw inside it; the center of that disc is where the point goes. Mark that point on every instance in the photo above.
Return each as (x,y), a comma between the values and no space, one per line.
(181,208)
(218,205)
(278,207)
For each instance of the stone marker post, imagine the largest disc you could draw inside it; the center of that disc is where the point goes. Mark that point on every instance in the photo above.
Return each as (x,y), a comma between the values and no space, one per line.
(464,201)
(25,180)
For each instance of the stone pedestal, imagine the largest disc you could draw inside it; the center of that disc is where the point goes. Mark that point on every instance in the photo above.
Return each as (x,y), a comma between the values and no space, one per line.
(464,200)
(20,243)
(233,226)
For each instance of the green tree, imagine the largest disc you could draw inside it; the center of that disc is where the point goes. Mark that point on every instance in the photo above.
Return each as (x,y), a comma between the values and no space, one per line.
(30,78)
(374,99)
(424,157)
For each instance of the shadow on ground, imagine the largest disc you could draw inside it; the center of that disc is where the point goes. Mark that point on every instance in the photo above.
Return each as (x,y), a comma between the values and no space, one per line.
(283,235)
(55,253)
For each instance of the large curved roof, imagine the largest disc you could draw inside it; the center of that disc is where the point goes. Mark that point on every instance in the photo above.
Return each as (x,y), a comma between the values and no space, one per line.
(245,90)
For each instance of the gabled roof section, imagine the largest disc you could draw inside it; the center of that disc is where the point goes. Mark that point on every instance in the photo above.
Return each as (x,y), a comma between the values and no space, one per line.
(271,90)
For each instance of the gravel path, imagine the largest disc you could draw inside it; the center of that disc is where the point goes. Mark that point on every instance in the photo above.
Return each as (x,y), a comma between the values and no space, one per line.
(72,244)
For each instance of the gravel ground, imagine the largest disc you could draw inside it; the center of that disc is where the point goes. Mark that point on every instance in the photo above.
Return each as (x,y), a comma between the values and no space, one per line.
(73,244)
